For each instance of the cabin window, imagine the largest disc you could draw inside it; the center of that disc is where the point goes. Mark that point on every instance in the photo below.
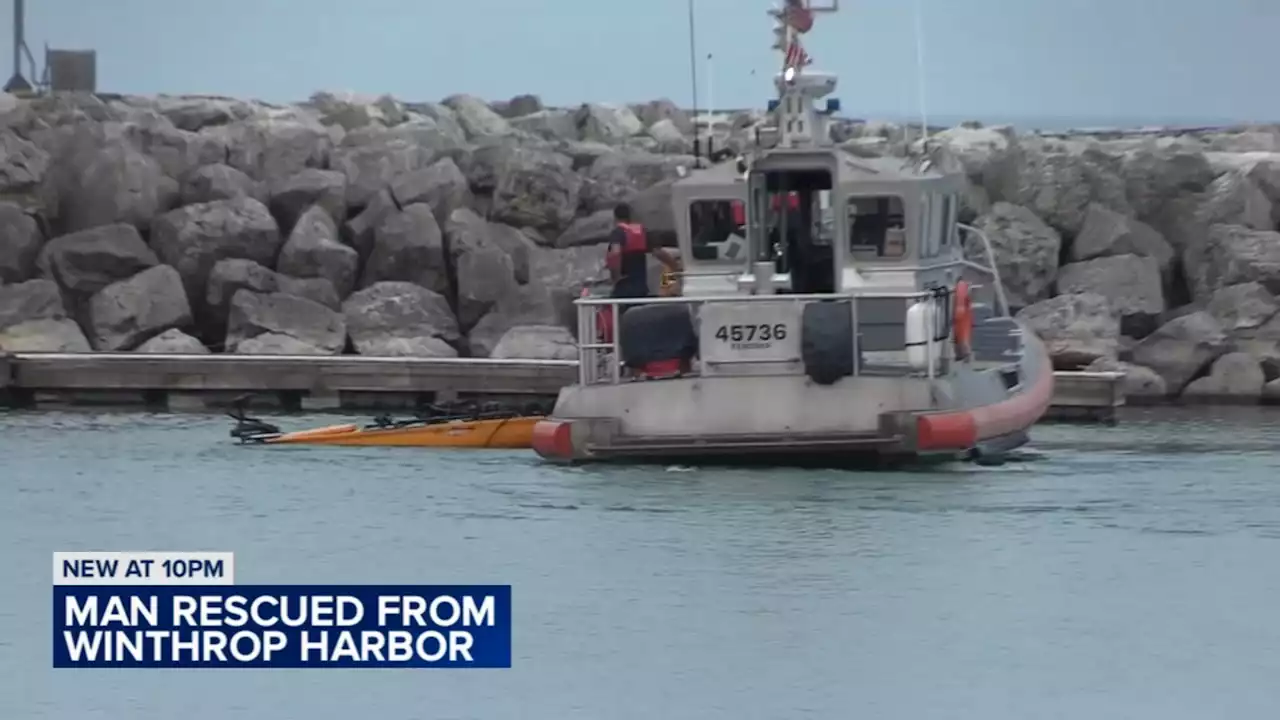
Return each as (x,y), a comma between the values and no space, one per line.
(877,227)
(938,228)
(717,229)
(824,230)
(948,220)
(928,231)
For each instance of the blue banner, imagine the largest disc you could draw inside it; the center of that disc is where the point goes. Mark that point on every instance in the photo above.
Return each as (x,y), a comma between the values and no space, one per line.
(282,626)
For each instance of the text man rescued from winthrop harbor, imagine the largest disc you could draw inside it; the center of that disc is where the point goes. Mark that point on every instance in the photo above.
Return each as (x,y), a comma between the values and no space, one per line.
(119,628)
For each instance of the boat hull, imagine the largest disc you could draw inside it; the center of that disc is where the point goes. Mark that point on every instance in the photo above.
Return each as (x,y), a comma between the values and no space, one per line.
(974,411)
(506,433)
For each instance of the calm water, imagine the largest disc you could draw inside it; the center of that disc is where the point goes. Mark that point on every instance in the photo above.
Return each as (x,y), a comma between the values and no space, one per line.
(1129,572)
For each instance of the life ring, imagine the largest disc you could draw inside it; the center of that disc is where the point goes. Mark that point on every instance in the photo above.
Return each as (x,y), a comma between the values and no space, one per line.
(963,317)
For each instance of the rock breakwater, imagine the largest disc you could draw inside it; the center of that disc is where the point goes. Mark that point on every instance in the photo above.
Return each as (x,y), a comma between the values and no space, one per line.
(382,227)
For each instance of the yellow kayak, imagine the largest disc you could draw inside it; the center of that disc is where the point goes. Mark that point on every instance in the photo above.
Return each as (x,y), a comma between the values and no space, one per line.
(514,433)
(439,429)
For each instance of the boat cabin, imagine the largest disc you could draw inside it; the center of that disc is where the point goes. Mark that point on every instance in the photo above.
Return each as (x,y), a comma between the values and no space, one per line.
(869,244)
(824,221)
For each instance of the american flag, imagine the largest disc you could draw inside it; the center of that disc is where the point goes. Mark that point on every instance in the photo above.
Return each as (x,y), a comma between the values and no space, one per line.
(796,56)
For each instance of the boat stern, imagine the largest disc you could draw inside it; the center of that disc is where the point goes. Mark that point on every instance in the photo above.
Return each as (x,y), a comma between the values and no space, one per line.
(575,440)
(975,411)
(695,418)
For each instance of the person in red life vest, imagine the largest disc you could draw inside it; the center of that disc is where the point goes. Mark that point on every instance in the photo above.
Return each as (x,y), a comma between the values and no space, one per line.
(629,250)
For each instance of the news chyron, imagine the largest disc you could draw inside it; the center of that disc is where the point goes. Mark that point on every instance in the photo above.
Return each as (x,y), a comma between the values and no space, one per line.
(185,610)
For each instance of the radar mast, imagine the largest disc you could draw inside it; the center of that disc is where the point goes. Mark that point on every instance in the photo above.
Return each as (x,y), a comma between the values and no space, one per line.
(799,121)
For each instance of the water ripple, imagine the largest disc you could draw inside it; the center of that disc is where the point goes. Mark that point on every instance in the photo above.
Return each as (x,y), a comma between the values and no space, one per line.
(1100,571)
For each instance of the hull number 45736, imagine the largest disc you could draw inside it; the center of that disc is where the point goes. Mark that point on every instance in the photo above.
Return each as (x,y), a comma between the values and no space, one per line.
(752,336)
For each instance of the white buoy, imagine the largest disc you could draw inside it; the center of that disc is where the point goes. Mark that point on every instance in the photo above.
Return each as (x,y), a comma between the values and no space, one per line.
(919,331)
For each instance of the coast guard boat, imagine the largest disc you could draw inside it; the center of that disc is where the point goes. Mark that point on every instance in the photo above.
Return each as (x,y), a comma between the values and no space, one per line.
(827,309)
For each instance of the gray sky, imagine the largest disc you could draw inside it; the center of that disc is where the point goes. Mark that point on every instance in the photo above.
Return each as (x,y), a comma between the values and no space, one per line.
(1125,60)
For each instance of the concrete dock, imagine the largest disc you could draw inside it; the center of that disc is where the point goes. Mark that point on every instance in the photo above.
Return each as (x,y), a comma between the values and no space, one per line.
(350,382)
(1087,396)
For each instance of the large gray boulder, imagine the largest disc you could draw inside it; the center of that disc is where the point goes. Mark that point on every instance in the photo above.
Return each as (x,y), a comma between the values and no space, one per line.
(294,195)
(536,189)
(125,314)
(1059,185)
(33,319)
(118,185)
(1132,285)
(27,178)
(564,273)
(1242,308)
(592,229)
(1233,254)
(477,119)
(619,175)
(1234,377)
(314,250)
(20,242)
(85,262)
(537,342)
(209,183)
(483,268)
(173,342)
(556,125)
(371,168)
(31,300)
(352,112)
(273,149)
(232,275)
(194,238)
(987,157)
(276,323)
(1077,329)
(1180,349)
(61,336)
(529,304)
(401,319)
(1155,176)
(607,124)
(440,185)
(1107,233)
(408,247)
(177,152)
(1026,251)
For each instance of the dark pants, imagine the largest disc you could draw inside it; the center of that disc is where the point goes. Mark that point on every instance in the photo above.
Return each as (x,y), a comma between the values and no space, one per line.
(627,289)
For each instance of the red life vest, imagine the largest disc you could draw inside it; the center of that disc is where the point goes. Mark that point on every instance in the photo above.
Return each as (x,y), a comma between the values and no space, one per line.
(793,201)
(635,243)
(740,210)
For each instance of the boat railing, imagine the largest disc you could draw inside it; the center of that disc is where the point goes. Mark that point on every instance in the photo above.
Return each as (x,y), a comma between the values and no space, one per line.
(600,354)
(989,269)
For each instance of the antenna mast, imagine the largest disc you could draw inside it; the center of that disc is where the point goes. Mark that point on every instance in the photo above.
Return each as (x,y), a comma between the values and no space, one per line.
(924,114)
(693,82)
(799,122)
